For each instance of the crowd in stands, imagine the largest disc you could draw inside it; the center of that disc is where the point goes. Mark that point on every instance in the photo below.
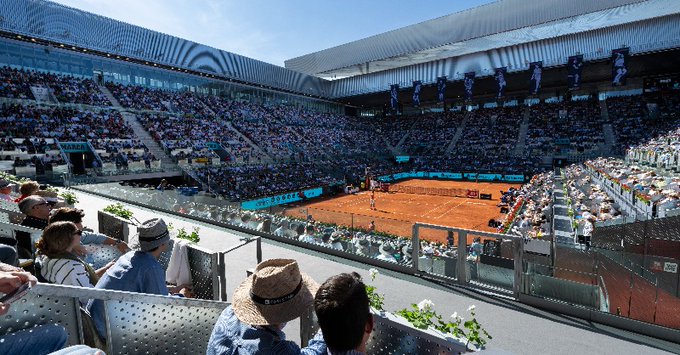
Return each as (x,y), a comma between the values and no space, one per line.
(566,127)
(16,83)
(431,134)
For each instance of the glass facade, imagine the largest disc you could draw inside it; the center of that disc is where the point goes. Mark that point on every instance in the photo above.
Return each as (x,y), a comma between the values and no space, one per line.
(57,60)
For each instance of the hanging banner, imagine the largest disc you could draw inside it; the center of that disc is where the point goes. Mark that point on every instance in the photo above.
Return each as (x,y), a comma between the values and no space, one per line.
(574,68)
(441,88)
(469,84)
(500,81)
(394,96)
(535,80)
(417,85)
(620,66)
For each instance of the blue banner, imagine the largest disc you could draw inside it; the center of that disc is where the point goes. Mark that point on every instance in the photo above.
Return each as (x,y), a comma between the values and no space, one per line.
(513,178)
(469,84)
(280,199)
(536,69)
(402,158)
(620,66)
(452,176)
(394,96)
(441,88)
(500,81)
(417,86)
(574,69)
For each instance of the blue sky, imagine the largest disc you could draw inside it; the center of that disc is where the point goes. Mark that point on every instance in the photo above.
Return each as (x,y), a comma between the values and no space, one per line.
(272,30)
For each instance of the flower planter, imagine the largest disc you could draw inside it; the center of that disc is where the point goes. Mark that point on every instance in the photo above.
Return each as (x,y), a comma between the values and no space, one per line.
(114,226)
(403,338)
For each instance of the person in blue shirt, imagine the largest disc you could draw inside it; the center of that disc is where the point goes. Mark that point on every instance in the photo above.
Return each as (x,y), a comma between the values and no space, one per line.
(136,271)
(262,305)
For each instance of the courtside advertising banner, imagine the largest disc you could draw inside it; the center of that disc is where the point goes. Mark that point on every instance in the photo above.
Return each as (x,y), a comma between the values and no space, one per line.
(574,69)
(441,88)
(620,66)
(417,86)
(536,69)
(394,96)
(499,75)
(469,84)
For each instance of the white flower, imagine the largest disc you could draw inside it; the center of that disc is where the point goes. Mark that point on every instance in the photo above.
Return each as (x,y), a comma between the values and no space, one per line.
(425,305)
(471,308)
(373,272)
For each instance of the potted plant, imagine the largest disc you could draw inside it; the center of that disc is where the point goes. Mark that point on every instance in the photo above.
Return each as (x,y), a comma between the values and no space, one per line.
(115,220)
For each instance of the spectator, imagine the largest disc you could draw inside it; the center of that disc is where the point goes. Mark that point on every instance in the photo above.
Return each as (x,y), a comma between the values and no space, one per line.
(6,189)
(37,210)
(57,261)
(76,216)
(275,294)
(308,236)
(28,188)
(136,271)
(342,308)
(39,340)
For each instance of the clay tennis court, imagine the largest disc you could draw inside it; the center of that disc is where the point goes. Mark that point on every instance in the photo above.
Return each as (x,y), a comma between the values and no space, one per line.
(397,212)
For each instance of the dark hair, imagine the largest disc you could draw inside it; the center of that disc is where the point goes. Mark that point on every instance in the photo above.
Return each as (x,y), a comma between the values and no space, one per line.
(341,305)
(56,238)
(67,214)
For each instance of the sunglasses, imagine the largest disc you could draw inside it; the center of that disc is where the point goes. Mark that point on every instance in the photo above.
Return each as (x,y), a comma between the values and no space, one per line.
(41,204)
(78,232)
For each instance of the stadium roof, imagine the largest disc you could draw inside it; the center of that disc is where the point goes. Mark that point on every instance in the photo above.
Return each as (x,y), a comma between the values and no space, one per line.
(439,38)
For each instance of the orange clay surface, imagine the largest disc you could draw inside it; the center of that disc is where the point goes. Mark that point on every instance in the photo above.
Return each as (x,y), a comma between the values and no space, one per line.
(397,212)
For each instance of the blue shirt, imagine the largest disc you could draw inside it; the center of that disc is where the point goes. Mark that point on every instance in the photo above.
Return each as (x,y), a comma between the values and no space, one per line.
(233,337)
(136,271)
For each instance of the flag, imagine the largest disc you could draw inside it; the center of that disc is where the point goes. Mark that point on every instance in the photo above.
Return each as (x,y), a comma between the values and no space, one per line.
(441,88)
(574,68)
(417,85)
(536,69)
(469,84)
(394,96)
(500,81)
(620,66)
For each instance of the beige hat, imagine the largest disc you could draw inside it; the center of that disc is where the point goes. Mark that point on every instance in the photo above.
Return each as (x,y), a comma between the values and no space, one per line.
(152,234)
(276,293)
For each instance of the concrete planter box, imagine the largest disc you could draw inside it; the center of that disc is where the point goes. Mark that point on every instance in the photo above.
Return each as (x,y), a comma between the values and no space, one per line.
(114,226)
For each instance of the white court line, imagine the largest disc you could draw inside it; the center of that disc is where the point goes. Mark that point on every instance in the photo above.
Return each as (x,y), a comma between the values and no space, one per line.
(449,210)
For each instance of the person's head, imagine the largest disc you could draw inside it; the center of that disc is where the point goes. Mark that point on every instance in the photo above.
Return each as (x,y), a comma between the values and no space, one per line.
(29,188)
(6,186)
(35,206)
(275,294)
(309,229)
(68,214)
(153,236)
(342,308)
(59,238)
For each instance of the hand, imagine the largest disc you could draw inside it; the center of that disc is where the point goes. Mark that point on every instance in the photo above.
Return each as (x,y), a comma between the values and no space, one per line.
(80,250)
(9,281)
(187,292)
(100,272)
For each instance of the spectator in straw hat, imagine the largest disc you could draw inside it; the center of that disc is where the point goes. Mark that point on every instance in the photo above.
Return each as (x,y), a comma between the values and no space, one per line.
(275,294)
(6,187)
(137,270)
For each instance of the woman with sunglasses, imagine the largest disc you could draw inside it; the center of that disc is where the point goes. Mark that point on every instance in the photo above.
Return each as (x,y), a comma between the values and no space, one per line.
(57,261)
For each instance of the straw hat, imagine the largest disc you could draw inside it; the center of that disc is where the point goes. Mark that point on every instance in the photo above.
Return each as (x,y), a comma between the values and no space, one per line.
(276,293)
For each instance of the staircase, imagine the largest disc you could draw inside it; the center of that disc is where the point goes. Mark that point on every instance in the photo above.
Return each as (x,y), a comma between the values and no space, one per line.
(459,133)
(603,111)
(149,142)
(521,138)
(109,95)
(43,94)
(255,146)
(609,136)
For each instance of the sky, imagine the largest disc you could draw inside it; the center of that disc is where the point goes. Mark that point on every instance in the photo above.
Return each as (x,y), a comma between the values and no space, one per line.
(272,30)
